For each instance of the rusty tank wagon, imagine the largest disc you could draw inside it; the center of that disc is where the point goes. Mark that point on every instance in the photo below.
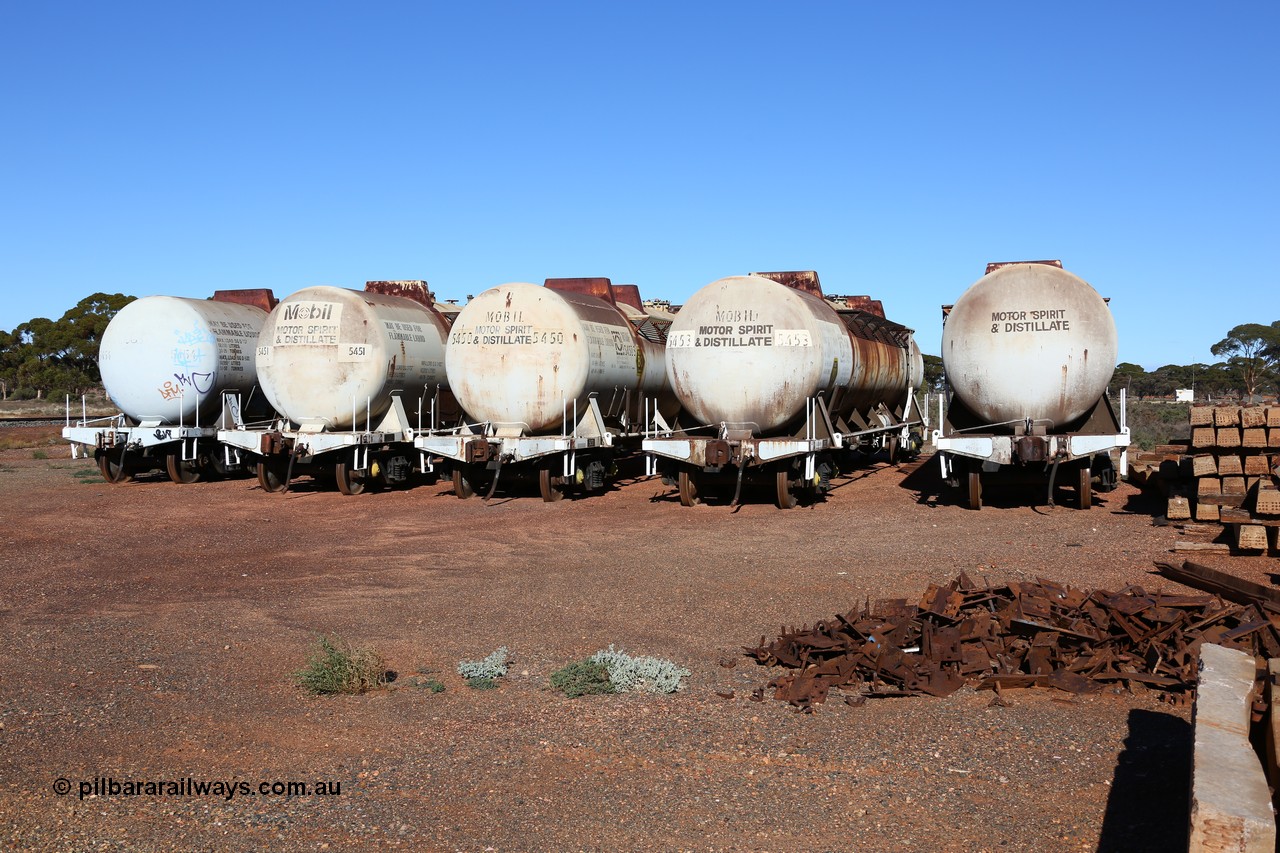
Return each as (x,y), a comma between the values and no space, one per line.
(556,381)
(780,385)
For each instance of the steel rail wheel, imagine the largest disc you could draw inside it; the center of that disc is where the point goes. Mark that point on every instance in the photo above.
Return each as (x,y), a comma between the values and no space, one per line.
(551,486)
(349,483)
(975,490)
(270,477)
(786,495)
(113,470)
(181,471)
(464,482)
(688,483)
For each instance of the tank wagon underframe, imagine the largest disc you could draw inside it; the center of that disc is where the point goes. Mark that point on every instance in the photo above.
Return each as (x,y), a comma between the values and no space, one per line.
(804,462)
(581,458)
(122,449)
(381,453)
(1029,453)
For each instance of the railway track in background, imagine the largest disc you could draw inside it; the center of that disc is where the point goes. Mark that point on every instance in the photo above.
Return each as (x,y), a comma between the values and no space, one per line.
(30,421)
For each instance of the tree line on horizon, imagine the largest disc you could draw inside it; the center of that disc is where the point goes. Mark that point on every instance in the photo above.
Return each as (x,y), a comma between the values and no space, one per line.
(1249,367)
(44,358)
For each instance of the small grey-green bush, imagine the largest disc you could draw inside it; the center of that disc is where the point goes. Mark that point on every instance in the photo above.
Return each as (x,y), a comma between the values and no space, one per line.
(641,674)
(582,678)
(425,682)
(338,667)
(494,666)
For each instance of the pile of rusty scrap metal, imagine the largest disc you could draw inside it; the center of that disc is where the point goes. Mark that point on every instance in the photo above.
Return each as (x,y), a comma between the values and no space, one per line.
(1019,635)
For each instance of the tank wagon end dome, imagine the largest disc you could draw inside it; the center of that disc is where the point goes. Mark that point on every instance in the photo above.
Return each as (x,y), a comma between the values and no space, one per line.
(325,351)
(170,359)
(1029,340)
(521,355)
(749,351)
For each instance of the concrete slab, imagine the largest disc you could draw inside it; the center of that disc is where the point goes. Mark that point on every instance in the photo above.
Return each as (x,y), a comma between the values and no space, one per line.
(1230,801)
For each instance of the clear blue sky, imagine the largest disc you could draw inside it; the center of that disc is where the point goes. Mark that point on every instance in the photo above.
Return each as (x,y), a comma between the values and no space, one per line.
(178,148)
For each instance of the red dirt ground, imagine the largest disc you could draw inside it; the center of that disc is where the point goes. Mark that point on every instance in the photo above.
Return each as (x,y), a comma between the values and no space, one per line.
(151,632)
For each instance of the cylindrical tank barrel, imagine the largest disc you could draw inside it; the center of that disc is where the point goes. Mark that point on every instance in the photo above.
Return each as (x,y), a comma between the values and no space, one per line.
(749,351)
(521,354)
(1029,341)
(170,359)
(328,353)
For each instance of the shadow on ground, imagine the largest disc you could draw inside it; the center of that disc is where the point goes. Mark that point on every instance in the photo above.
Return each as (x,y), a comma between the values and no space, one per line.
(1149,806)
(998,491)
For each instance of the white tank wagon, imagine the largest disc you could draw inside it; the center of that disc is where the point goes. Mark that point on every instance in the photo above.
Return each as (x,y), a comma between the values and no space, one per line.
(1028,351)
(353,376)
(777,383)
(167,362)
(555,381)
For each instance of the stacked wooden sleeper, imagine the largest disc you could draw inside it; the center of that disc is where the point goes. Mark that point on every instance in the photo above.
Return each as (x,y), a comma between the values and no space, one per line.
(1235,465)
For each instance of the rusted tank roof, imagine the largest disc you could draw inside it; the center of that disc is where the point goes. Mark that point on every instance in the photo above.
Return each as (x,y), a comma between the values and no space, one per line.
(862,303)
(992,267)
(874,327)
(258,297)
(600,288)
(806,280)
(627,294)
(414,289)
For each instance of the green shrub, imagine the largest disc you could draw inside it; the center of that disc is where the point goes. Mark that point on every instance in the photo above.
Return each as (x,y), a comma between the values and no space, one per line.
(1153,422)
(582,678)
(480,682)
(39,454)
(338,667)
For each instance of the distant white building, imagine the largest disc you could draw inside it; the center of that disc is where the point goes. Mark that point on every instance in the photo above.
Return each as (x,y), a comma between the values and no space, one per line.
(1184,395)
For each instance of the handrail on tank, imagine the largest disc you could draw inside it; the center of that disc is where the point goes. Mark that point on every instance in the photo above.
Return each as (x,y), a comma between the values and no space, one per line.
(1001,423)
(84,421)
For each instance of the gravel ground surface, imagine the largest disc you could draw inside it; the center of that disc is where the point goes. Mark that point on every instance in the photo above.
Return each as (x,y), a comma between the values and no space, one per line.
(152,632)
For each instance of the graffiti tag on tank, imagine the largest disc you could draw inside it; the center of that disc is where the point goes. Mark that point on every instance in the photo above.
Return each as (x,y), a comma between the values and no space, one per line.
(1039,320)
(201,383)
(192,346)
